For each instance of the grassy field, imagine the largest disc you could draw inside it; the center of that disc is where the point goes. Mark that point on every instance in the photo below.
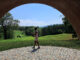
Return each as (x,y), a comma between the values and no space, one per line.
(62,40)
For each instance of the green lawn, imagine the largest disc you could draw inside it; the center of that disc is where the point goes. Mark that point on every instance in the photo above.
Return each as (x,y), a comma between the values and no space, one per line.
(63,40)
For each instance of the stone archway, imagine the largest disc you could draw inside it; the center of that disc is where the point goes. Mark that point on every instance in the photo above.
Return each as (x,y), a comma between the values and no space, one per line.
(70,8)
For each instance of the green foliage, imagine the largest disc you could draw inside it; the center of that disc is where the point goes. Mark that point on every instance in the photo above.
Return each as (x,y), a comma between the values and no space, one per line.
(8,25)
(10,34)
(21,28)
(40,31)
(1,32)
(18,33)
(53,29)
(29,31)
(1,35)
(48,30)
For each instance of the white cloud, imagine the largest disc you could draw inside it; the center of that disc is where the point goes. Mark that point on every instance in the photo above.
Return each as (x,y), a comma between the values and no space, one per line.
(31,22)
(28,22)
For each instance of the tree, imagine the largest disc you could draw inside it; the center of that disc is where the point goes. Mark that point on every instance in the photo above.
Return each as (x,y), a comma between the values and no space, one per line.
(29,30)
(7,23)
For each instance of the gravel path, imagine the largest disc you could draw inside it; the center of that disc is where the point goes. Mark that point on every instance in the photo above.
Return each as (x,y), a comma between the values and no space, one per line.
(44,53)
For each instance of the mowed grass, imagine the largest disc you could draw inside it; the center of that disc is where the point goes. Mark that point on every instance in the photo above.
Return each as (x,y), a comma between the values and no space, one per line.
(62,40)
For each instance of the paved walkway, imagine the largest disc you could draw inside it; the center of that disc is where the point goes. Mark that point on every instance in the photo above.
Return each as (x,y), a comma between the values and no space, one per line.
(44,53)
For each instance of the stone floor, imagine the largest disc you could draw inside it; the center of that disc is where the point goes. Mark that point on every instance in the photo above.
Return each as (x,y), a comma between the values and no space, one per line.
(44,53)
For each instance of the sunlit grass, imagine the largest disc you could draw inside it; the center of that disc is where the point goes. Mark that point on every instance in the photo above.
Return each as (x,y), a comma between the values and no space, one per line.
(63,40)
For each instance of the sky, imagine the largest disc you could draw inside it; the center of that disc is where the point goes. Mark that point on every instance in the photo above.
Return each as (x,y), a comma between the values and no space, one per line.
(36,15)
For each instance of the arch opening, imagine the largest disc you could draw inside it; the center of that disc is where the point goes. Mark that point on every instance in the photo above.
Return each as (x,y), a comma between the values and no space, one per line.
(69,8)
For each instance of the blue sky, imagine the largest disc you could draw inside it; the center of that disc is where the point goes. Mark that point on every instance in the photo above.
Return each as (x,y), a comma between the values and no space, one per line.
(36,15)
